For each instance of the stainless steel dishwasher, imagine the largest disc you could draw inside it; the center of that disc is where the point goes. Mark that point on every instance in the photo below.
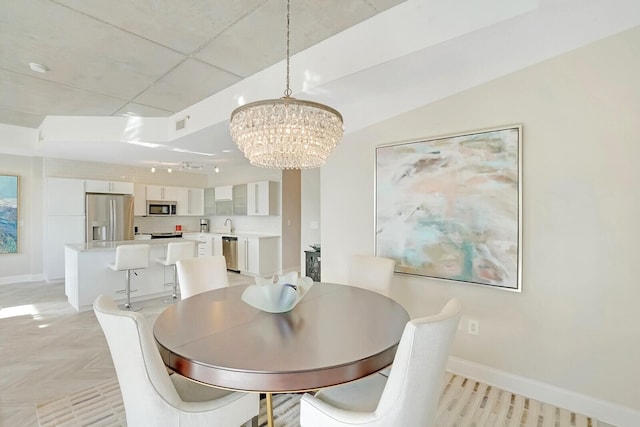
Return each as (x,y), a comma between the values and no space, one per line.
(230,252)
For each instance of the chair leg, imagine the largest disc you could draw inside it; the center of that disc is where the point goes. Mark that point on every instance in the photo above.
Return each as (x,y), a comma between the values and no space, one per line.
(253,422)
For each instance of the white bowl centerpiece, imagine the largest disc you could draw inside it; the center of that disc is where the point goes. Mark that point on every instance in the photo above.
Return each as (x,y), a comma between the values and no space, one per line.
(277,294)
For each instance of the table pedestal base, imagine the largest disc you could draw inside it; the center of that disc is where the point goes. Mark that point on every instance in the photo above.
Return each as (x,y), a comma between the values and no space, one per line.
(270,409)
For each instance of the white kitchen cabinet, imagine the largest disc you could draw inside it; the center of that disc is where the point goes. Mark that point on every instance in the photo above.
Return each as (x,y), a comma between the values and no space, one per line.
(64,196)
(190,201)
(262,198)
(209,201)
(60,230)
(157,192)
(216,244)
(139,200)
(113,187)
(258,256)
(182,197)
(240,199)
(203,242)
(243,255)
(224,192)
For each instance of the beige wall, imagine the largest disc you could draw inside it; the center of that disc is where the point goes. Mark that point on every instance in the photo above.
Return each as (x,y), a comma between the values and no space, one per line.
(576,323)
(290,240)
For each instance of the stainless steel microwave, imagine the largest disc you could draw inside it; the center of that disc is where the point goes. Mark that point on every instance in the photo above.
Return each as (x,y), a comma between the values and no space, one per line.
(161,208)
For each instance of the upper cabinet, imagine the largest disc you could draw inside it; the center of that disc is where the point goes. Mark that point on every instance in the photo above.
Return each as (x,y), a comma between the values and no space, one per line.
(209,201)
(139,200)
(190,201)
(240,199)
(224,192)
(115,187)
(65,196)
(262,198)
(157,192)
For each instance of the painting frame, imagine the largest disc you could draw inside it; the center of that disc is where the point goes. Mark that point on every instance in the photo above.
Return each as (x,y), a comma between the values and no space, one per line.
(9,203)
(450,207)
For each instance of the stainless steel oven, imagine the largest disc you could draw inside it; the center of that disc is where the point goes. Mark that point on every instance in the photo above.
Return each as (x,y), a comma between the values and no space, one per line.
(230,252)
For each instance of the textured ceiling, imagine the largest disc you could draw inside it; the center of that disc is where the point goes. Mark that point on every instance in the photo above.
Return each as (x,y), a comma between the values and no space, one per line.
(149,57)
(162,61)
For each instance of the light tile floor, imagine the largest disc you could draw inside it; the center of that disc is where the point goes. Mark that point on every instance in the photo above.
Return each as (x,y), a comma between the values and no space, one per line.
(48,350)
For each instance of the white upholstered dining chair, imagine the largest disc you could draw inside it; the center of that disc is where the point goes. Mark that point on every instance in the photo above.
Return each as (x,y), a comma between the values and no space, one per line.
(371,272)
(408,397)
(196,275)
(151,396)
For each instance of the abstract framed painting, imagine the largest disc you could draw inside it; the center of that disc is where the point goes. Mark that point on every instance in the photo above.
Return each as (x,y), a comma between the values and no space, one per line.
(450,207)
(8,214)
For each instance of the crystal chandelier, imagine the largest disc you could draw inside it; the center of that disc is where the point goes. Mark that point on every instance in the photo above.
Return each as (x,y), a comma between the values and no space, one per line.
(286,133)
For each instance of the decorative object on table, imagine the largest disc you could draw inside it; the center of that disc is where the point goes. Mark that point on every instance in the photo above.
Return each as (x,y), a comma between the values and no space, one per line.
(450,207)
(8,214)
(277,294)
(286,133)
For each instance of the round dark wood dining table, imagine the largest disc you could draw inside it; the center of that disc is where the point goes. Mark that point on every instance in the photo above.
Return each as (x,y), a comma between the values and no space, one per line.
(335,334)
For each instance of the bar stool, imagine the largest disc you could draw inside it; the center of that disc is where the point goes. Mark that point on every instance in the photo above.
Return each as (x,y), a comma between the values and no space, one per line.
(129,258)
(175,252)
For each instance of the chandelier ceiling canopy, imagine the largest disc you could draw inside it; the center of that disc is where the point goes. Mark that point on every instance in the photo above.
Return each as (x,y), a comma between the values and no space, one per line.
(286,133)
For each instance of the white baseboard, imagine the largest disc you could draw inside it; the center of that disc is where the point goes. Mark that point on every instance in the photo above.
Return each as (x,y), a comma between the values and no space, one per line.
(20,279)
(601,410)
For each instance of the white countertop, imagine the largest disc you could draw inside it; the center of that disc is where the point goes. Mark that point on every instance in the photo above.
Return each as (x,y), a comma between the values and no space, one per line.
(233,234)
(109,246)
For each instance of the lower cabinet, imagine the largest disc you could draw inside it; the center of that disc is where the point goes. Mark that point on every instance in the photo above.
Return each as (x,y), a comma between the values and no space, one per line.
(203,242)
(216,244)
(258,255)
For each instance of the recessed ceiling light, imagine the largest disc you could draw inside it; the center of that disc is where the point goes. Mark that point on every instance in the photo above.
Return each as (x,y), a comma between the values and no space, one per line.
(38,68)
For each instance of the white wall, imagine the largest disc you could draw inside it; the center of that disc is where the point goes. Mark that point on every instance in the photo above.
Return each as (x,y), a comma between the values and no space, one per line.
(575,324)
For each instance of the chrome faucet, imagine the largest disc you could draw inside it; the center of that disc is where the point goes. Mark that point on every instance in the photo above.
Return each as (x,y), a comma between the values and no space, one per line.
(230,224)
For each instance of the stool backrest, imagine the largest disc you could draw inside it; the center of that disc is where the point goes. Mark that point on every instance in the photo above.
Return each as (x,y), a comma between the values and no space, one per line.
(180,250)
(131,257)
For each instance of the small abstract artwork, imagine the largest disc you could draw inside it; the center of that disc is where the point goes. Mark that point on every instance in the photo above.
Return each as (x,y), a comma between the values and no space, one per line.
(8,214)
(450,207)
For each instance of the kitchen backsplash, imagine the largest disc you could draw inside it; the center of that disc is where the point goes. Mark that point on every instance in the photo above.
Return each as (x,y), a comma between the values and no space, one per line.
(242,224)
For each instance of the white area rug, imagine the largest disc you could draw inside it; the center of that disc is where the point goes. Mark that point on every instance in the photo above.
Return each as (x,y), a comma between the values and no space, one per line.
(463,402)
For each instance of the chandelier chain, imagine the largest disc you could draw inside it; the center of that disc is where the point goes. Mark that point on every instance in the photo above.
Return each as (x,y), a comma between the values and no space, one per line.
(287,92)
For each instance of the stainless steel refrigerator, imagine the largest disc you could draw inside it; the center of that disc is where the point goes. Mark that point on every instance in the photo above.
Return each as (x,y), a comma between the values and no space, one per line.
(109,217)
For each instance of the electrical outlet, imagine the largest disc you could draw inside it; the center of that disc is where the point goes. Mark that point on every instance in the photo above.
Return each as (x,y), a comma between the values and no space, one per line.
(473,327)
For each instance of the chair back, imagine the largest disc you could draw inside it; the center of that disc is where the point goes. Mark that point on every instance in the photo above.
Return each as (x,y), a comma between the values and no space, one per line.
(410,396)
(131,257)
(147,391)
(180,250)
(201,274)
(371,272)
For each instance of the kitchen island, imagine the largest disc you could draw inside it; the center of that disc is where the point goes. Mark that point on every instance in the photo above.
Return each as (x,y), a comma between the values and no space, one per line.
(87,274)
